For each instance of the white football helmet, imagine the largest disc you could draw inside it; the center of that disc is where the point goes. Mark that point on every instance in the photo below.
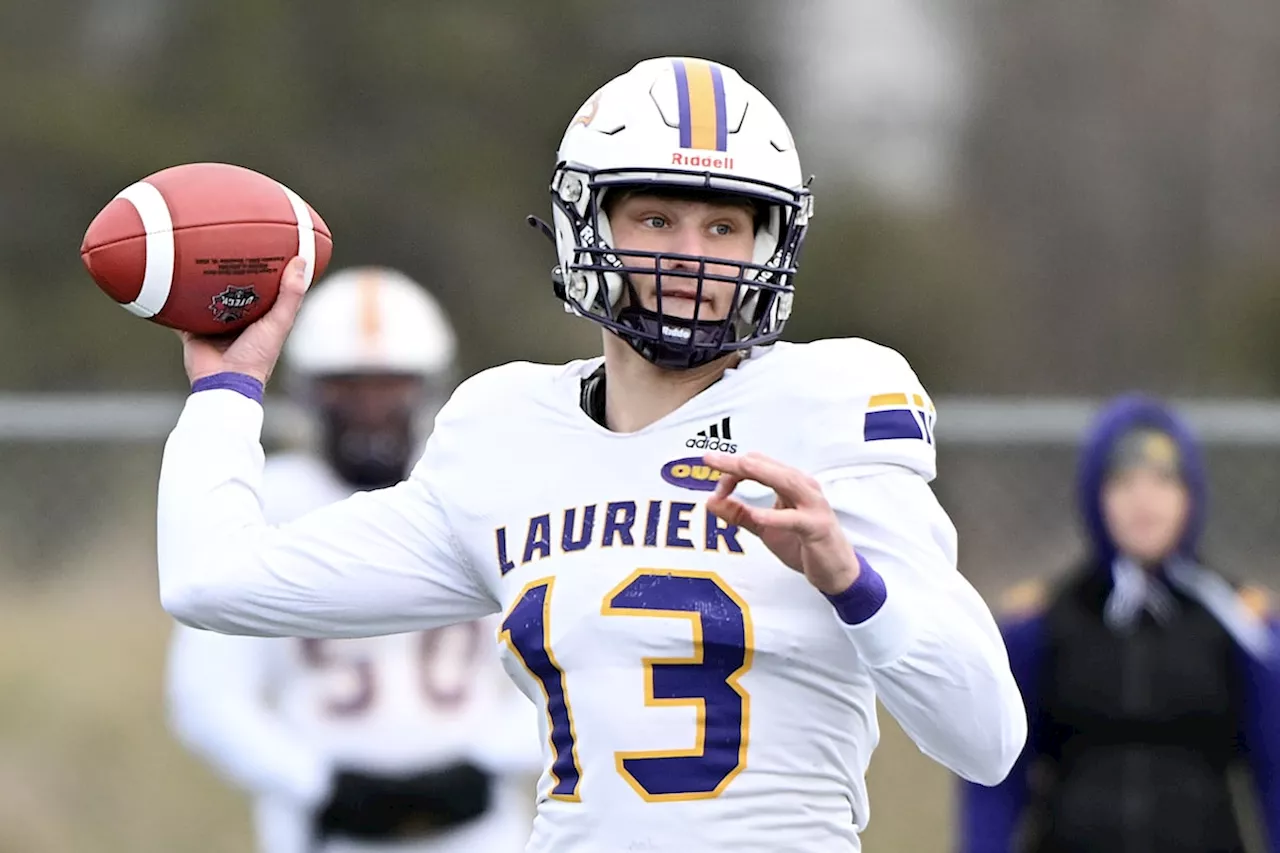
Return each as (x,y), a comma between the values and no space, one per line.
(370,320)
(371,357)
(687,125)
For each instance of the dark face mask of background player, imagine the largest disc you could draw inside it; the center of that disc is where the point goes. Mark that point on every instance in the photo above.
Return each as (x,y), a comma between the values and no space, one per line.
(369,426)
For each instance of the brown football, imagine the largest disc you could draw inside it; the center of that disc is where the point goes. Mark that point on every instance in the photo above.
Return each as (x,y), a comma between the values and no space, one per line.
(201,247)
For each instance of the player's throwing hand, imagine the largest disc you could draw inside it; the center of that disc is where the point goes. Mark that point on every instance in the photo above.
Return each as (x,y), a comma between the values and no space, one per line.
(801,529)
(254,351)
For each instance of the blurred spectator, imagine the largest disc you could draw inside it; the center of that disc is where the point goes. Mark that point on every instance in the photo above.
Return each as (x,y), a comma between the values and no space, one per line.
(1147,676)
(412,743)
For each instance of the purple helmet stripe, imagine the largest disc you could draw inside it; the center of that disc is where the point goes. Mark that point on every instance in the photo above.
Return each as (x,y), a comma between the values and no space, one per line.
(682,95)
(722,118)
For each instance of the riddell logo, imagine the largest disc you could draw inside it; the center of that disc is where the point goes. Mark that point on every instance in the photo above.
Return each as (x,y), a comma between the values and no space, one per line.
(678,159)
(714,437)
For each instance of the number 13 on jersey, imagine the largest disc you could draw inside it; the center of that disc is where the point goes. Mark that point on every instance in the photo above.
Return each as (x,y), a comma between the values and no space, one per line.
(706,681)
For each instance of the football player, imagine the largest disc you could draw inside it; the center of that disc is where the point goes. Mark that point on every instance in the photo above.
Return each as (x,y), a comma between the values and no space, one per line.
(416,742)
(706,632)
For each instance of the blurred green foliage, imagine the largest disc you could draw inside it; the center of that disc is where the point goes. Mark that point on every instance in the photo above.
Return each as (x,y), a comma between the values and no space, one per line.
(1088,250)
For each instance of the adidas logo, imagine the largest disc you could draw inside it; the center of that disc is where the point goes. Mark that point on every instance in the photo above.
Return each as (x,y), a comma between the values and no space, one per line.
(714,437)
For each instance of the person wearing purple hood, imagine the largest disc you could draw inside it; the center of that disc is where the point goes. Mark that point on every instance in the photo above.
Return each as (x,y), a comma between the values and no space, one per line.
(1147,676)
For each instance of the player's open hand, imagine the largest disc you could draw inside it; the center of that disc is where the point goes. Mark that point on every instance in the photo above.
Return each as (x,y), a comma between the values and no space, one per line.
(256,349)
(800,529)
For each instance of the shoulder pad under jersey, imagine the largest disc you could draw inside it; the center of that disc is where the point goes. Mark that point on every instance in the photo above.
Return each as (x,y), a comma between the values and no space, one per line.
(495,390)
(869,408)
(486,407)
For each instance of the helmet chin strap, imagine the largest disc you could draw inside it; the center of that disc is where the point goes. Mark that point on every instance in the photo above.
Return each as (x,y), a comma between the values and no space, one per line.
(676,355)
(672,343)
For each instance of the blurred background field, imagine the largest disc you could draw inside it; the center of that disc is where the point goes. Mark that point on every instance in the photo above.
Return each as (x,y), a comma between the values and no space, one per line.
(86,763)
(1039,203)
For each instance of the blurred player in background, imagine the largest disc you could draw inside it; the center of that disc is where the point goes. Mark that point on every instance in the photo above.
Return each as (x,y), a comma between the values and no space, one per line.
(1147,676)
(707,626)
(412,742)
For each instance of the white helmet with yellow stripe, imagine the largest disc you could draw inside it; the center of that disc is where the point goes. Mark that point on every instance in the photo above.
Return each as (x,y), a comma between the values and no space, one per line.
(370,320)
(371,356)
(686,125)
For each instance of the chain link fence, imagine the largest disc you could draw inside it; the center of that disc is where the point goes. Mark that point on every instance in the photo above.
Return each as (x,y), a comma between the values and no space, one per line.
(81,473)
(1007,476)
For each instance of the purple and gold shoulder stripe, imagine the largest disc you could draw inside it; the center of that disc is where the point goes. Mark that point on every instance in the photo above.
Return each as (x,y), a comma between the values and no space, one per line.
(898,416)
(704,122)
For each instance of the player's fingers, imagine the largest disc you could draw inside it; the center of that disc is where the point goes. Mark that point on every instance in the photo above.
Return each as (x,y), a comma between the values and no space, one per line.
(732,511)
(727,463)
(293,286)
(726,484)
(795,521)
(256,350)
(793,486)
(759,520)
(721,501)
(750,466)
(269,332)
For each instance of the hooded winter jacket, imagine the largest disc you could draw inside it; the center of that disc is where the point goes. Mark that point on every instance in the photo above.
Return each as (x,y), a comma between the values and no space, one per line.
(1132,731)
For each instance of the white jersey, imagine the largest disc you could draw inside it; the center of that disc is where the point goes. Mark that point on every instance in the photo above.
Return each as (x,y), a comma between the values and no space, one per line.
(278,715)
(697,694)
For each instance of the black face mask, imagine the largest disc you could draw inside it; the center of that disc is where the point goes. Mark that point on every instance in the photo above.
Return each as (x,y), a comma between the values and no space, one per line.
(367,456)
(369,426)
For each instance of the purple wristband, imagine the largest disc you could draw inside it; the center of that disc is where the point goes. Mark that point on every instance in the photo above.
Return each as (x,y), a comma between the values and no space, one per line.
(864,597)
(241,383)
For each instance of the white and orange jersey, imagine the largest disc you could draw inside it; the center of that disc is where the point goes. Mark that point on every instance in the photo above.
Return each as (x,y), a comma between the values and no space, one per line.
(695,693)
(277,715)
